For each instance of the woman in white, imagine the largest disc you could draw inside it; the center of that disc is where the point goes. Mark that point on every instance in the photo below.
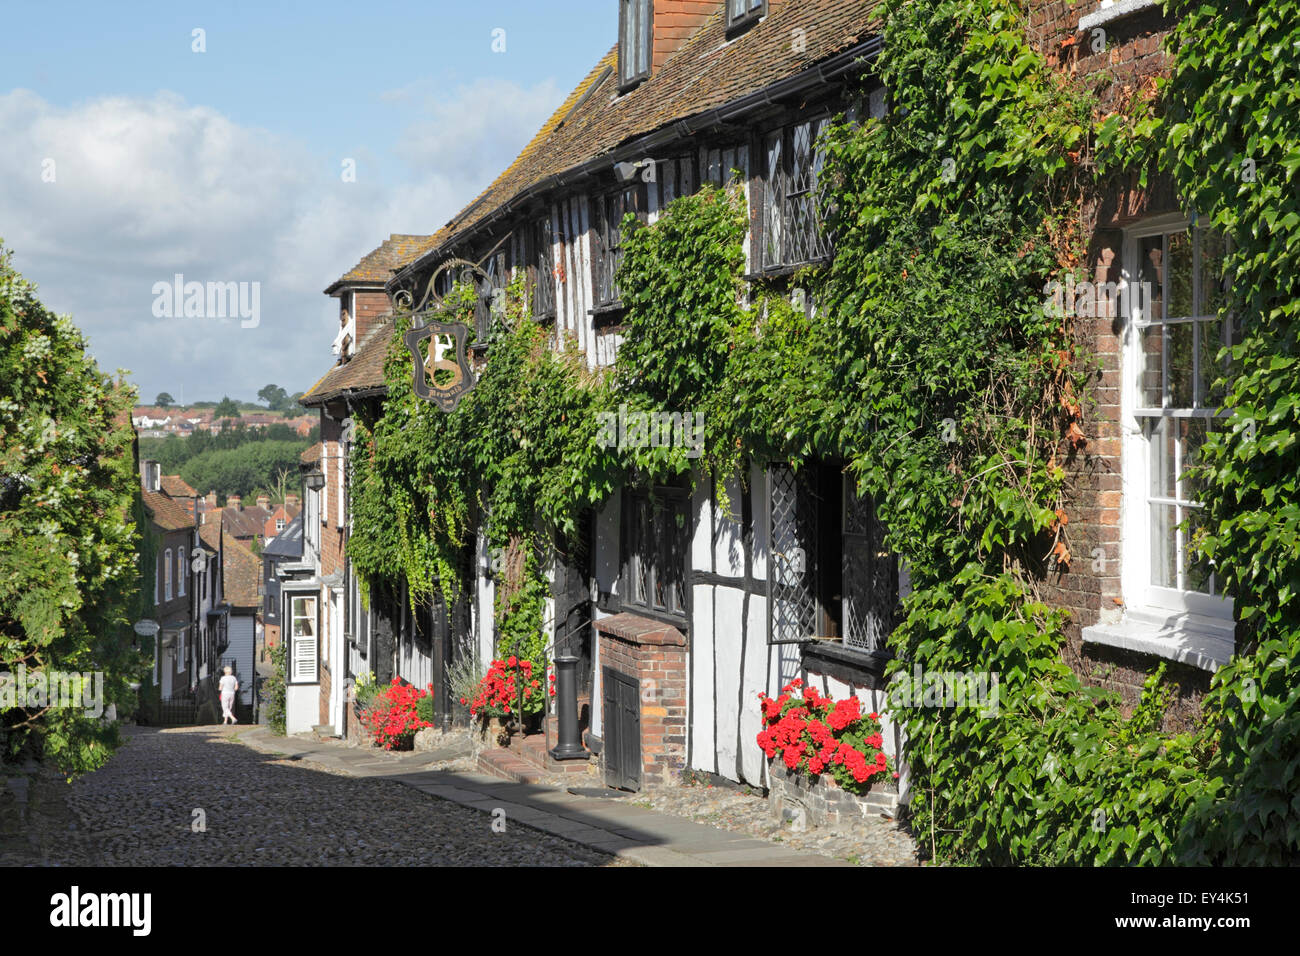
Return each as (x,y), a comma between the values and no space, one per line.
(229,686)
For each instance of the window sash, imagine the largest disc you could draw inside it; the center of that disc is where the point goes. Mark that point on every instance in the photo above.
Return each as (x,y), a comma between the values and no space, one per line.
(741,13)
(1177,332)
(607,222)
(656,536)
(636,38)
(793,232)
(304,630)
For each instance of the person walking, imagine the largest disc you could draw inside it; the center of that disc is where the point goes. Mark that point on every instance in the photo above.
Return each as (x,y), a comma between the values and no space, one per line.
(229,685)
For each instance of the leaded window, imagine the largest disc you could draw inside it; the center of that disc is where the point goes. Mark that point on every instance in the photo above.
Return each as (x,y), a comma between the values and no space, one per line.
(543,243)
(829,576)
(792,227)
(607,214)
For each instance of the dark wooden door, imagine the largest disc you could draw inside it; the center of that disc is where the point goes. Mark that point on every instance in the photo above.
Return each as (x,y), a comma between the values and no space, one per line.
(622,711)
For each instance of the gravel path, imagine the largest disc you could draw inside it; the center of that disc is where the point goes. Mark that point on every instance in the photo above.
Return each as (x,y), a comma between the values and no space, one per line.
(262,810)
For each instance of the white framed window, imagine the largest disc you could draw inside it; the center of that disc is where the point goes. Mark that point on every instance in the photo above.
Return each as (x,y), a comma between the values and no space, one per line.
(303,640)
(180,571)
(1176,288)
(167,575)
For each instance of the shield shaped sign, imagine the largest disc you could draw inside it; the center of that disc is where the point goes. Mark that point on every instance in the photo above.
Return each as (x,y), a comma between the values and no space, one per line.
(442,372)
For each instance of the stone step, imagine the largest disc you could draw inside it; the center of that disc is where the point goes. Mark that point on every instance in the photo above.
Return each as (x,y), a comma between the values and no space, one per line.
(500,762)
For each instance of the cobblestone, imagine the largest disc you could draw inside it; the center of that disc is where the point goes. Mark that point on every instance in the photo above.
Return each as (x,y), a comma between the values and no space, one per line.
(874,841)
(261,809)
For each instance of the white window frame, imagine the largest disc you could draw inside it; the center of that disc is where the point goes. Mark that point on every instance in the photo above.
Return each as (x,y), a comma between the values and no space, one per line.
(180,572)
(304,664)
(1181,625)
(167,575)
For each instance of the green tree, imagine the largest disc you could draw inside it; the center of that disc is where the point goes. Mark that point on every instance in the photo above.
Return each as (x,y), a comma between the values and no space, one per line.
(242,470)
(226,408)
(275,397)
(70,571)
(164,400)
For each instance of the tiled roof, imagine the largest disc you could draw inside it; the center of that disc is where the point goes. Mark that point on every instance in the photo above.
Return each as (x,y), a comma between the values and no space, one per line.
(176,487)
(166,514)
(707,72)
(288,543)
(364,370)
(377,266)
(241,573)
(248,522)
(210,534)
(311,454)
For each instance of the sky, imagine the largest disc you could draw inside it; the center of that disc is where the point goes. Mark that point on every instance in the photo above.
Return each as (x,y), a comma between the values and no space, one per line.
(265,142)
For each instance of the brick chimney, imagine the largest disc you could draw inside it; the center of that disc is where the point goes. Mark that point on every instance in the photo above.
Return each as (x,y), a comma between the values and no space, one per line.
(150,475)
(292,501)
(676,22)
(264,502)
(235,501)
(371,306)
(210,501)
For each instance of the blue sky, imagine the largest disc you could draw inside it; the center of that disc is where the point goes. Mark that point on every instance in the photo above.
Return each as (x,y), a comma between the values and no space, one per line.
(130,157)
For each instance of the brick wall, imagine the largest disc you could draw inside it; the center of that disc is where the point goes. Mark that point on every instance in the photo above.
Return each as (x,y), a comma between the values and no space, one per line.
(675,22)
(653,654)
(1121,66)
(370,307)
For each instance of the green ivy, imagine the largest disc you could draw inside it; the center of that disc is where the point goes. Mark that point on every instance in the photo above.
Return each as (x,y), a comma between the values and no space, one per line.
(931,367)
(1230,139)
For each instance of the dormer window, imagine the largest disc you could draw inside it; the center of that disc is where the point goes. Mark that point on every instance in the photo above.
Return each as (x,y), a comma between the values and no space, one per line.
(742,14)
(635,40)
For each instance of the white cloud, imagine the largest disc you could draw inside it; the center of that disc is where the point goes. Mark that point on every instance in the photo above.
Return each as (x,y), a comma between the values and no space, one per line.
(147,188)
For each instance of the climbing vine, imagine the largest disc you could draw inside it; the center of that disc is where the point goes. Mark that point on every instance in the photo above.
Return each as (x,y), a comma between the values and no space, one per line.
(931,367)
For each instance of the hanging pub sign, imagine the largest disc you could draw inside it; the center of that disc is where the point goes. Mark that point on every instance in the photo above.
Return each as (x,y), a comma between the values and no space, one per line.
(442,373)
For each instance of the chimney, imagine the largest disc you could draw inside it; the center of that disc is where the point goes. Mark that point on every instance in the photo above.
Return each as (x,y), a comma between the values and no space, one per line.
(235,501)
(150,475)
(675,22)
(210,502)
(264,502)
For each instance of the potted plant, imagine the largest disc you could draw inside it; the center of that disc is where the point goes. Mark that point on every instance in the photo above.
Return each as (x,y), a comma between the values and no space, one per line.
(510,696)
(393,716)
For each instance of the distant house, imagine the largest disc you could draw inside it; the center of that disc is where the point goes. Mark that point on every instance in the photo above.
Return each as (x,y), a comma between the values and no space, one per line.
(173,532)
(284,548)
(245,525)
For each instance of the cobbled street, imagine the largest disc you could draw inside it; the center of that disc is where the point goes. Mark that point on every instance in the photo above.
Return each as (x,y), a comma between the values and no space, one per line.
(263,810)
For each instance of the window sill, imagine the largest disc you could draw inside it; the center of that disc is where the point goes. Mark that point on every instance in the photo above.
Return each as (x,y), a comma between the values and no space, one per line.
(1194,639)
(1116,11)
(846,663)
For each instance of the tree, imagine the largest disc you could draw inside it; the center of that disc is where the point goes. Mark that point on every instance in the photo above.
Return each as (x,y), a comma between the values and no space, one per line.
(242,470)
(71,569)
(275,397)
(226,408)
(164,400)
